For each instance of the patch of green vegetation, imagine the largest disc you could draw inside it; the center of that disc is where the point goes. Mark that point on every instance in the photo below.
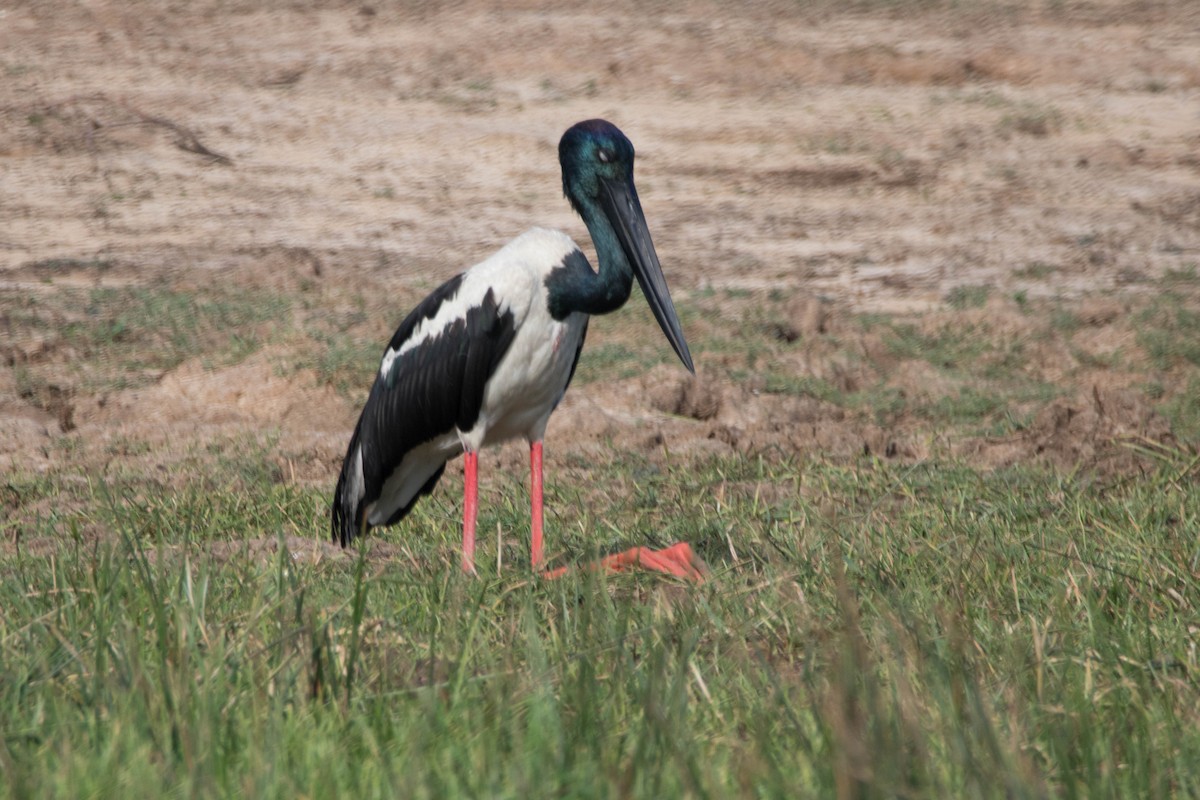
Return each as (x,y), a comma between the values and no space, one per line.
(884,403)
(989,98)
(1182,409)
(871,321)
(58,266)
(24,495)
(1064,320)
(927,630)
(110,339)
(1188,274)
(628,342)
(1086,358)
(346,363)
(991,373)
(125,337)
(15,70)
(990,409)
(121,446)
(832,142)
(1169,330)
(247,461)
(1006,422)
(1035,271)
(967,405)
(952,347)
(962,297)
(470,96)
(802,386)
(159,328)
(612,361)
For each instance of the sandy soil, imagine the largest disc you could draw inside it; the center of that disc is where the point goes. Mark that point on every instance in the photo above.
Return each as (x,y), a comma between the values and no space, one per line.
(869,160)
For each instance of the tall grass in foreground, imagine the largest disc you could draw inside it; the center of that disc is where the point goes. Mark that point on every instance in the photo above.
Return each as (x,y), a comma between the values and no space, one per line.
(870,630)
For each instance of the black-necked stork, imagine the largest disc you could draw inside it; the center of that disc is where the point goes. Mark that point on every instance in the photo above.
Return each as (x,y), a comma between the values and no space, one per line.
(489,354)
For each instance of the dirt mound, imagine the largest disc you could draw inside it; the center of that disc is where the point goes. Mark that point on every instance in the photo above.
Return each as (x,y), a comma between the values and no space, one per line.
(706,415)
(1093,430)
(697,397)
(194,405)
(1103,430)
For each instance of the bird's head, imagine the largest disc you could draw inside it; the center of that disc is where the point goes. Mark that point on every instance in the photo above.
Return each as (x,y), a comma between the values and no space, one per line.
(593,153)
(597,167)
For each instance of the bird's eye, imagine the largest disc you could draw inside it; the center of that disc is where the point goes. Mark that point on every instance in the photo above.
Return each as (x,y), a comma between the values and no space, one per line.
(605,155)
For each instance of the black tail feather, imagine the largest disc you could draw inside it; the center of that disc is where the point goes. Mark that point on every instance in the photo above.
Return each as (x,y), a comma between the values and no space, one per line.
(347,508)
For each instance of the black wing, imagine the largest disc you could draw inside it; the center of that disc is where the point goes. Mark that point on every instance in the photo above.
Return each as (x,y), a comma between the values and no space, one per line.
(430,390)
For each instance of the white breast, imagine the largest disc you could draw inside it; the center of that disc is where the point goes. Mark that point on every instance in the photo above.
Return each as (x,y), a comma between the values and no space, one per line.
(531,378)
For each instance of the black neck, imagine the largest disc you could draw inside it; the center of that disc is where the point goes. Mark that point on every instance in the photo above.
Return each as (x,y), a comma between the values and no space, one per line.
(585,291)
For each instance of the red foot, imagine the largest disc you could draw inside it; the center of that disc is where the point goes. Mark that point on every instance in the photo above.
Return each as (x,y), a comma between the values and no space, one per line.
(677,560)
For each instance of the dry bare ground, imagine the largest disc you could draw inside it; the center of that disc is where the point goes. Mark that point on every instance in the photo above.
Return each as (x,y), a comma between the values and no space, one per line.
(967,167)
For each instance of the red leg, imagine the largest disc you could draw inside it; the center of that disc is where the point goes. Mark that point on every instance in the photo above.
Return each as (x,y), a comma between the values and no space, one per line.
(535,494)
(470,508)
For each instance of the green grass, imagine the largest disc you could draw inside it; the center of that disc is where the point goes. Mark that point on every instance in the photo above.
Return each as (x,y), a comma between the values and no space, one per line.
(962,297)
(884,630)
(629,342)
(1036,271)
(954,347)
(117,338)
(871,627)
(1183,411)
(153,329)
(614,361)
(347,364)
(1187,275)
(1169,330)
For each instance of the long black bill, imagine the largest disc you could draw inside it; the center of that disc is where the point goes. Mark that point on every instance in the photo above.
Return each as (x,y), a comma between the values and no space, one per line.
(620,202)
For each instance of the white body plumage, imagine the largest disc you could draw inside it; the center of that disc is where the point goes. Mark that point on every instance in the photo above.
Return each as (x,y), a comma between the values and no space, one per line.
(524,387)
